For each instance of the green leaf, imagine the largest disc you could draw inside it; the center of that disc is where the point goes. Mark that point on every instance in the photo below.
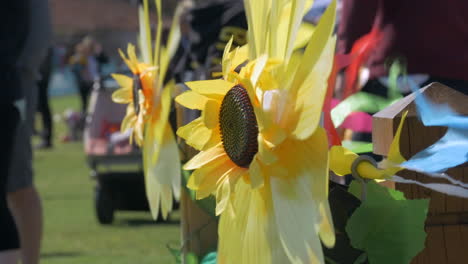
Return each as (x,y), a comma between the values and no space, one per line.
(387,227)
(361,259)
(375,190)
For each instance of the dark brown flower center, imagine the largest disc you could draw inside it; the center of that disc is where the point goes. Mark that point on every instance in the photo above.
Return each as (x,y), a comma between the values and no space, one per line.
(136,96)
(238,125)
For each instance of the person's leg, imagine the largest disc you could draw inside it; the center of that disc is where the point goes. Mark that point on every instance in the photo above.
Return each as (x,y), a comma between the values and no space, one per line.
(26,208)
(44,109)
(9,256)
(9,242)
(84,97)
(22,197)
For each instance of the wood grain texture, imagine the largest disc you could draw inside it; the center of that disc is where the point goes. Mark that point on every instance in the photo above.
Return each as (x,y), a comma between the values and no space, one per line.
(456,251)
(199,230)
(435,250)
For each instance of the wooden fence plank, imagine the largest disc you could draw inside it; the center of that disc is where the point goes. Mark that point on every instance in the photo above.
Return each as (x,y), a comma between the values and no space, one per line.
(435,245)
(456,252)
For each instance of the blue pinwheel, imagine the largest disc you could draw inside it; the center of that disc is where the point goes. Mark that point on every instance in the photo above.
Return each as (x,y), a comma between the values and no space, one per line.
(452,149)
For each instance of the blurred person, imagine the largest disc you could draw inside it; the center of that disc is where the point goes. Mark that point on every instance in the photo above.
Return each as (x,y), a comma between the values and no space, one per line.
(13,41)
(78,63)
(85,68)
(23,198)
(43,102)
(91,72)
(100,56)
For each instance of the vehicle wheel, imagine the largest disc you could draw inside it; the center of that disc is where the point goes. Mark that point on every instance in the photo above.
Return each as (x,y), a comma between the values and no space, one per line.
(103,205)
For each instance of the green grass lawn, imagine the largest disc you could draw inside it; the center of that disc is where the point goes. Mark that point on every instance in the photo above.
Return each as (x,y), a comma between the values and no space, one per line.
(71,231)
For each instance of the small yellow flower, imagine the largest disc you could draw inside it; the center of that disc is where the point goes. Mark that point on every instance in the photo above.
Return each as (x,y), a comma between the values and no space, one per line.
(263,153)
(137,92)
(149,102)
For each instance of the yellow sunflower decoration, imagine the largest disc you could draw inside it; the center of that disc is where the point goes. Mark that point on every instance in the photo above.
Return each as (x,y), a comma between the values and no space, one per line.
(149,102)
(263,153)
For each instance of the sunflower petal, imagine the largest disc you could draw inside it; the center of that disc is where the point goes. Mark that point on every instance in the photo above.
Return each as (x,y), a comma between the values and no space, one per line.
(132,54)
(145,32)
(256,175)
(215,138)
(258,69)
(166,201)
(317,167)
(316,45)
(152,187)
(195,133)
(133,67)
(123,80)
(257,19)
(250,236)
(314,86)
(192,100)
(223,194)
(129,120)
(295,20)
(326,229)
(226,62)
(239,56)
(207,175)
(227,169)
(265,153)
(210,87)
(225,185)
(161,123)
(203,157)
(166,168)
(294,209)
(122,96)
(210,114)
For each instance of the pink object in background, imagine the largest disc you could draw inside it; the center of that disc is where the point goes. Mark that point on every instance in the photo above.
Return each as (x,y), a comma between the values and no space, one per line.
(357,121)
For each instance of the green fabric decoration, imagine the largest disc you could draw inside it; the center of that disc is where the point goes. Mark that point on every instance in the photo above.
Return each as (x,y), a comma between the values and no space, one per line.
(370,103)
(396,69)
(175,252)
(359,102)
(191,258)
(209,258)
(357,147)
(389,228)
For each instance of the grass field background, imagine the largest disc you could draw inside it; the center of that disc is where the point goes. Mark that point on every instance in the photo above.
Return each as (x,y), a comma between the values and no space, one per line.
(71,231)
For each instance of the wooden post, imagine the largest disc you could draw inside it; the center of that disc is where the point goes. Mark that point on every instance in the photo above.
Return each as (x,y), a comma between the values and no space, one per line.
(447,222)
(199,229)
